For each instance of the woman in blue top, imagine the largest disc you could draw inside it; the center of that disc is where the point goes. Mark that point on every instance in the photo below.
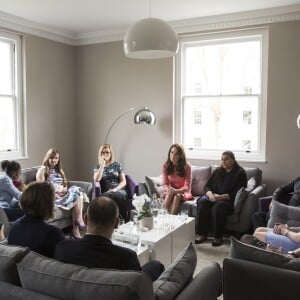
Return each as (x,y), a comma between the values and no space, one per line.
(9,193)
(68,198)
(112,179)
(31,231)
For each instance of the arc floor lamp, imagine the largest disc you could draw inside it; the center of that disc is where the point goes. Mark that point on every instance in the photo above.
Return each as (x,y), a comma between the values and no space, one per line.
(143,116)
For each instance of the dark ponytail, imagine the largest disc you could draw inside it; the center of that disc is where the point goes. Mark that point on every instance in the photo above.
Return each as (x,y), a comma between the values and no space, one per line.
(10,166)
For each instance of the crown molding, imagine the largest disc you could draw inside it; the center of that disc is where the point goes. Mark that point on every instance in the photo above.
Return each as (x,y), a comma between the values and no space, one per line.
(13,23)
(227,21)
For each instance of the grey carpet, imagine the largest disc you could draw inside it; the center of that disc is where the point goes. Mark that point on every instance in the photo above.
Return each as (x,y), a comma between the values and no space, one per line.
(206,254)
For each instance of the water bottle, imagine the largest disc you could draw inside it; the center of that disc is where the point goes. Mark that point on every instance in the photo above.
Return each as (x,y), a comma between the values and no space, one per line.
(135,235)
(154,205)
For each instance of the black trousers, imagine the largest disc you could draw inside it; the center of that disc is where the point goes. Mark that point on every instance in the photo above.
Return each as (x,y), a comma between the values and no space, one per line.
(13,212)
(260,219)
(120,197)
(212,213)
(153,269)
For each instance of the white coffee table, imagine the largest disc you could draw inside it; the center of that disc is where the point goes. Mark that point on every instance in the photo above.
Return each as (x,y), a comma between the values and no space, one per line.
(165,244)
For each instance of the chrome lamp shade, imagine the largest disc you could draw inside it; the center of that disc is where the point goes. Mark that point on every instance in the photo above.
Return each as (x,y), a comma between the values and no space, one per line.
(144,116)
(150,38)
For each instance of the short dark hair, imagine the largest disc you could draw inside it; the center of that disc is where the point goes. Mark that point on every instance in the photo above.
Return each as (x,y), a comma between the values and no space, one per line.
(102,212)
(38,200)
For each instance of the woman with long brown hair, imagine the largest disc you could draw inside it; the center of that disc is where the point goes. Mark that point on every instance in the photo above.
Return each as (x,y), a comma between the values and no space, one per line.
(65,197)
(177,178)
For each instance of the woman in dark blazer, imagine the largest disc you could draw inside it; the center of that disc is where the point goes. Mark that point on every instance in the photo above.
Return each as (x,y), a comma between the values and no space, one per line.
(31,230)
(217,203)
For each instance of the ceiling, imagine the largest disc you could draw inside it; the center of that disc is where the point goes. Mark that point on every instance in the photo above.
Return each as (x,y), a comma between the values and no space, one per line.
(78,17)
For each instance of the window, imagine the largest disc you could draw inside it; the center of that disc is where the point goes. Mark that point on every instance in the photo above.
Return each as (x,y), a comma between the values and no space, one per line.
(220,99)
(11,97)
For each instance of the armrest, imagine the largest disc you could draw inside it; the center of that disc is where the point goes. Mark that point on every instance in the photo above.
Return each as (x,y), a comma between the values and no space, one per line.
(263,203)
(258,192)
(206,285)
(87,187)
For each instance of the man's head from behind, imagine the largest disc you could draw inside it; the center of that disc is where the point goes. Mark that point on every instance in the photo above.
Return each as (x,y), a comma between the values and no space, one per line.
(102,215)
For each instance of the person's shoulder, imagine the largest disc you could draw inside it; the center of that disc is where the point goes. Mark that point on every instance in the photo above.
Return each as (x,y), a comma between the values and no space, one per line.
(124,250)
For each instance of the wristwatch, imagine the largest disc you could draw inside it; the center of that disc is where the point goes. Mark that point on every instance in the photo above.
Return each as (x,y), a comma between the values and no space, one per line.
(292,253)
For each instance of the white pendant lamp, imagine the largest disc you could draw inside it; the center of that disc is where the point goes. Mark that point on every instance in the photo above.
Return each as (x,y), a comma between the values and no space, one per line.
(150,38)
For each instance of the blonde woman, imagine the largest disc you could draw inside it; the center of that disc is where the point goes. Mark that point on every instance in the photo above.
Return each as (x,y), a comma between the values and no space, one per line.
(110,174)
(65,197)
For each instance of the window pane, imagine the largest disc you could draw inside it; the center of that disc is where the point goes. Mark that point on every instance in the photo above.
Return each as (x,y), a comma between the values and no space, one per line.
(226,123)
(7,124)
(5,68)
(227,68)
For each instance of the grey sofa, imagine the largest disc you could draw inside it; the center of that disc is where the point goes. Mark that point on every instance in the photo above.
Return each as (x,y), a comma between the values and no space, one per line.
(245,204)
(249,280)
(62,218)
(27,275)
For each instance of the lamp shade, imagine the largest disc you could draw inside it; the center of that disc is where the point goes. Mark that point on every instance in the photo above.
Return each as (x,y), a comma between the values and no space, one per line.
(150,38)
(144,116)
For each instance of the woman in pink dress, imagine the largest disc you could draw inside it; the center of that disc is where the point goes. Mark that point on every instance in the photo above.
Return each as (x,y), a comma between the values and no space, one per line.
(177,178)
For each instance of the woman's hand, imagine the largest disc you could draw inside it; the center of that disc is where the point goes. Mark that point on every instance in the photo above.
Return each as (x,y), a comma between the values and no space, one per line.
(281,229)
(211,196)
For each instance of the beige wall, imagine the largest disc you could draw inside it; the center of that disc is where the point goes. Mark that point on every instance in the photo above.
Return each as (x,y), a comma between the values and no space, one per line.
(49,100)
(109,84)
(106,84)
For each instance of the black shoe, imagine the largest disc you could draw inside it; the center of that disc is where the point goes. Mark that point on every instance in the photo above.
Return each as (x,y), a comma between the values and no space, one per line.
(252,240)
(200,239)
(217,242)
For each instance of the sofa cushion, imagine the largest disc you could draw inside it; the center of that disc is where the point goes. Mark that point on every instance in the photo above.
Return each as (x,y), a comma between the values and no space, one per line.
(28,174)
(177,275)
(239,200)
(248,252)
(281,213)
(200,176)
(154,185)
(9,257)
(67,281)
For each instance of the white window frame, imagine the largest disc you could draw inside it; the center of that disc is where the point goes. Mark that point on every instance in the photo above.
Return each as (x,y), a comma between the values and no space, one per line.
(18,95)
(260,155)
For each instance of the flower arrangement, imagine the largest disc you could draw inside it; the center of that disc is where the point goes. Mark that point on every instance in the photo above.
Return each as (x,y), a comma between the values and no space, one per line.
(142,205)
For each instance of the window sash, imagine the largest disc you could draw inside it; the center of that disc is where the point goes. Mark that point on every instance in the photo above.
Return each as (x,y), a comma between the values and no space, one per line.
(13,100)
(260,34)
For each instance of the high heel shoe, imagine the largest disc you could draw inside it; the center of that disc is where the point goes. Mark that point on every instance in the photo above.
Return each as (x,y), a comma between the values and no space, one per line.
(73,236)
(81,227)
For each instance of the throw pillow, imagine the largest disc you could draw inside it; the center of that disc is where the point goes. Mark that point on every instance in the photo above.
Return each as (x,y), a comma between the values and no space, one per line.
(177,275)
(9,257)
(251,184)
(281,213)
(247,252)
(239,200)
(154,185)
(66,281)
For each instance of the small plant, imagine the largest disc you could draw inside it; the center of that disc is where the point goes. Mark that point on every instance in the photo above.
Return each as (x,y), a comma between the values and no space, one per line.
(144,213)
